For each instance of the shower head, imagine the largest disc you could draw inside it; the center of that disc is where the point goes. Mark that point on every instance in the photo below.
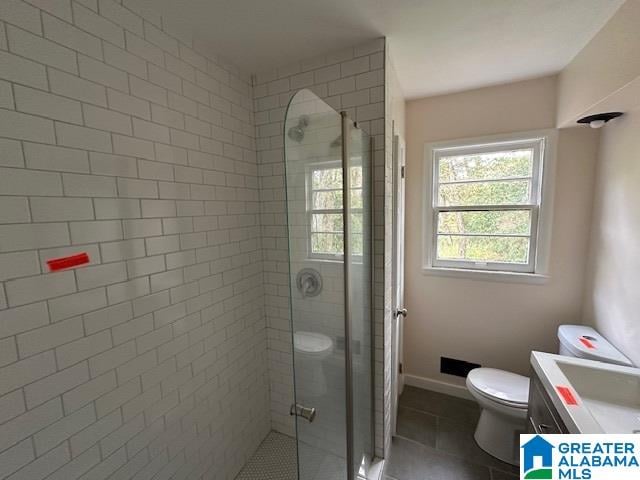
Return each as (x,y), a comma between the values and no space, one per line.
(297,133)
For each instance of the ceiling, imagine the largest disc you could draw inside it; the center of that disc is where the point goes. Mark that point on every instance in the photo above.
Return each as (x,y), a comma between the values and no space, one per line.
(437,46)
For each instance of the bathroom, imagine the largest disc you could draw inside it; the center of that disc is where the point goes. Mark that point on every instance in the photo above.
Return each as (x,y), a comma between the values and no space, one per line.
(185,292)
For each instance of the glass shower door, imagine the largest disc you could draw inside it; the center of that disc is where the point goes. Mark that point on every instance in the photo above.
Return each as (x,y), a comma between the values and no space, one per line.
(314,206)
(359,289)
(329,242)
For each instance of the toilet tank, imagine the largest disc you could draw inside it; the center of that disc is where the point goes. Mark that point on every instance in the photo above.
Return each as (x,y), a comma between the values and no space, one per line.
(584,342)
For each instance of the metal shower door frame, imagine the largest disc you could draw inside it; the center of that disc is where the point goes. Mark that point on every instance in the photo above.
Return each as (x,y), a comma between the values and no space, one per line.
(346,216)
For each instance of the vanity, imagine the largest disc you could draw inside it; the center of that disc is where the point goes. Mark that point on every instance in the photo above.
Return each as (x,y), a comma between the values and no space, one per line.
(542,416)
(576,395)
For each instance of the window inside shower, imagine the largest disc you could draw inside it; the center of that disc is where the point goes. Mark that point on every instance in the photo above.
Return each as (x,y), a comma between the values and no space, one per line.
(325,207)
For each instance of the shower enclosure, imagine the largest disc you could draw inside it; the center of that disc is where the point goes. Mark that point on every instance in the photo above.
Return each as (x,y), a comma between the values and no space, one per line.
(328,165)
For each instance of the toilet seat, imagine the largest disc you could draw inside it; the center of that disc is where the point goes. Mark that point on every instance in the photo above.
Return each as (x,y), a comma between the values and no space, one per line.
(502,387)
(310,351)
(311,342)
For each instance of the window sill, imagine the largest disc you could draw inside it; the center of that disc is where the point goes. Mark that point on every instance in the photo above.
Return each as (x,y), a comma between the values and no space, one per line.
(324,259)
(488,275)
(338,260)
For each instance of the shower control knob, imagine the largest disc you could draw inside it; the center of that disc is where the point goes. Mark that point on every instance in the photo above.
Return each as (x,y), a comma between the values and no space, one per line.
(309,282)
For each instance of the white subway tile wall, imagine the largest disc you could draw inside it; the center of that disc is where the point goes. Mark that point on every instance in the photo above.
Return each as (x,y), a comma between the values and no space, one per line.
(350,80)
(124,139)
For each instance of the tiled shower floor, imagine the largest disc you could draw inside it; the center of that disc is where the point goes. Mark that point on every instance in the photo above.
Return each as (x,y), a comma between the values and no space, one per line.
(276,459)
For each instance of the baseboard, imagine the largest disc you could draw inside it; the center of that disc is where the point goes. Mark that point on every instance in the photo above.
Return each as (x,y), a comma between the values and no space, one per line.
(437,386)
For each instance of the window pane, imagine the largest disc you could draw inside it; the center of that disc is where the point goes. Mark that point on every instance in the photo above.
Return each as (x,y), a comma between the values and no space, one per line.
(329,200)
(326,178)
(327,243)
(332,222)
(485,193)
(356,198)
(504,222)
(356,244)
(484,249)
(486,166)
(356,176)
(356,222)
(326,222)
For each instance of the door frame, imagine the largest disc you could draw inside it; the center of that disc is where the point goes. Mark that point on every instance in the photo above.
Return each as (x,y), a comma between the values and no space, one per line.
(397,327)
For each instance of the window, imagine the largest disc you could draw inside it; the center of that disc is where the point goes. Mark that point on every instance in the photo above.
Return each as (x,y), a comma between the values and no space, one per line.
(484,205)
(325,210)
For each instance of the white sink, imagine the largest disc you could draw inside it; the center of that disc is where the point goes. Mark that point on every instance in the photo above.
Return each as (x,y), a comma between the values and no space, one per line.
(607,397)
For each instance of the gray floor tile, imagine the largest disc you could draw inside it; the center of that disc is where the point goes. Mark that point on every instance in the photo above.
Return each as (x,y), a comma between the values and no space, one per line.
(412,461)
(417,425)
(456,454)
(440,404)
(498,475)
(456,438)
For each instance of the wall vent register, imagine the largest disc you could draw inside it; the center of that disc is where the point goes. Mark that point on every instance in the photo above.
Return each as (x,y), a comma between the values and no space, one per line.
(459,368)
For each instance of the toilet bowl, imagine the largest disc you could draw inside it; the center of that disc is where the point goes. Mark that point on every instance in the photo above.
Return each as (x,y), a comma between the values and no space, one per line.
(503,396)
(310,349)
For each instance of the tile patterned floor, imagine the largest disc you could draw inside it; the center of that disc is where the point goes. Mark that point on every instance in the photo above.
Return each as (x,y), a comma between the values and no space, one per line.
(276,459)
(435,441)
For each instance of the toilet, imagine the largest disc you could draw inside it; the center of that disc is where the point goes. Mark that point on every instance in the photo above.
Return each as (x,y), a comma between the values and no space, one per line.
(311,348)
(503,396)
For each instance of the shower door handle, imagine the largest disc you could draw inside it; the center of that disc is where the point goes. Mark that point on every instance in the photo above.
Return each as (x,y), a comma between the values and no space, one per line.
(308,413)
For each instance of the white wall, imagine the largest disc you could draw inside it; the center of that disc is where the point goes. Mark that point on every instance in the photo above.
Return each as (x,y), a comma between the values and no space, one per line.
(596,78)
(605,76)
(496,324)
(612,300)
(121,140)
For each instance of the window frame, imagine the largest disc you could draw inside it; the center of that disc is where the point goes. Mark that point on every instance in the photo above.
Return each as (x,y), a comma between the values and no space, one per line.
(310,211)
(543,143)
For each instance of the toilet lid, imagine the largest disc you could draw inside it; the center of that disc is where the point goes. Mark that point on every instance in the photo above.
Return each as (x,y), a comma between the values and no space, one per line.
(505,387)
(311,342)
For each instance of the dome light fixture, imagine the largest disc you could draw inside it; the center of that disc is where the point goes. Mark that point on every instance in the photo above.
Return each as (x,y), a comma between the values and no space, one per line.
(599,119)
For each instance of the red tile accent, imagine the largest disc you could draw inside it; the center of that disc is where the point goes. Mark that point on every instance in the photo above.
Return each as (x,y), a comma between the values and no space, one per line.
(68,262)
